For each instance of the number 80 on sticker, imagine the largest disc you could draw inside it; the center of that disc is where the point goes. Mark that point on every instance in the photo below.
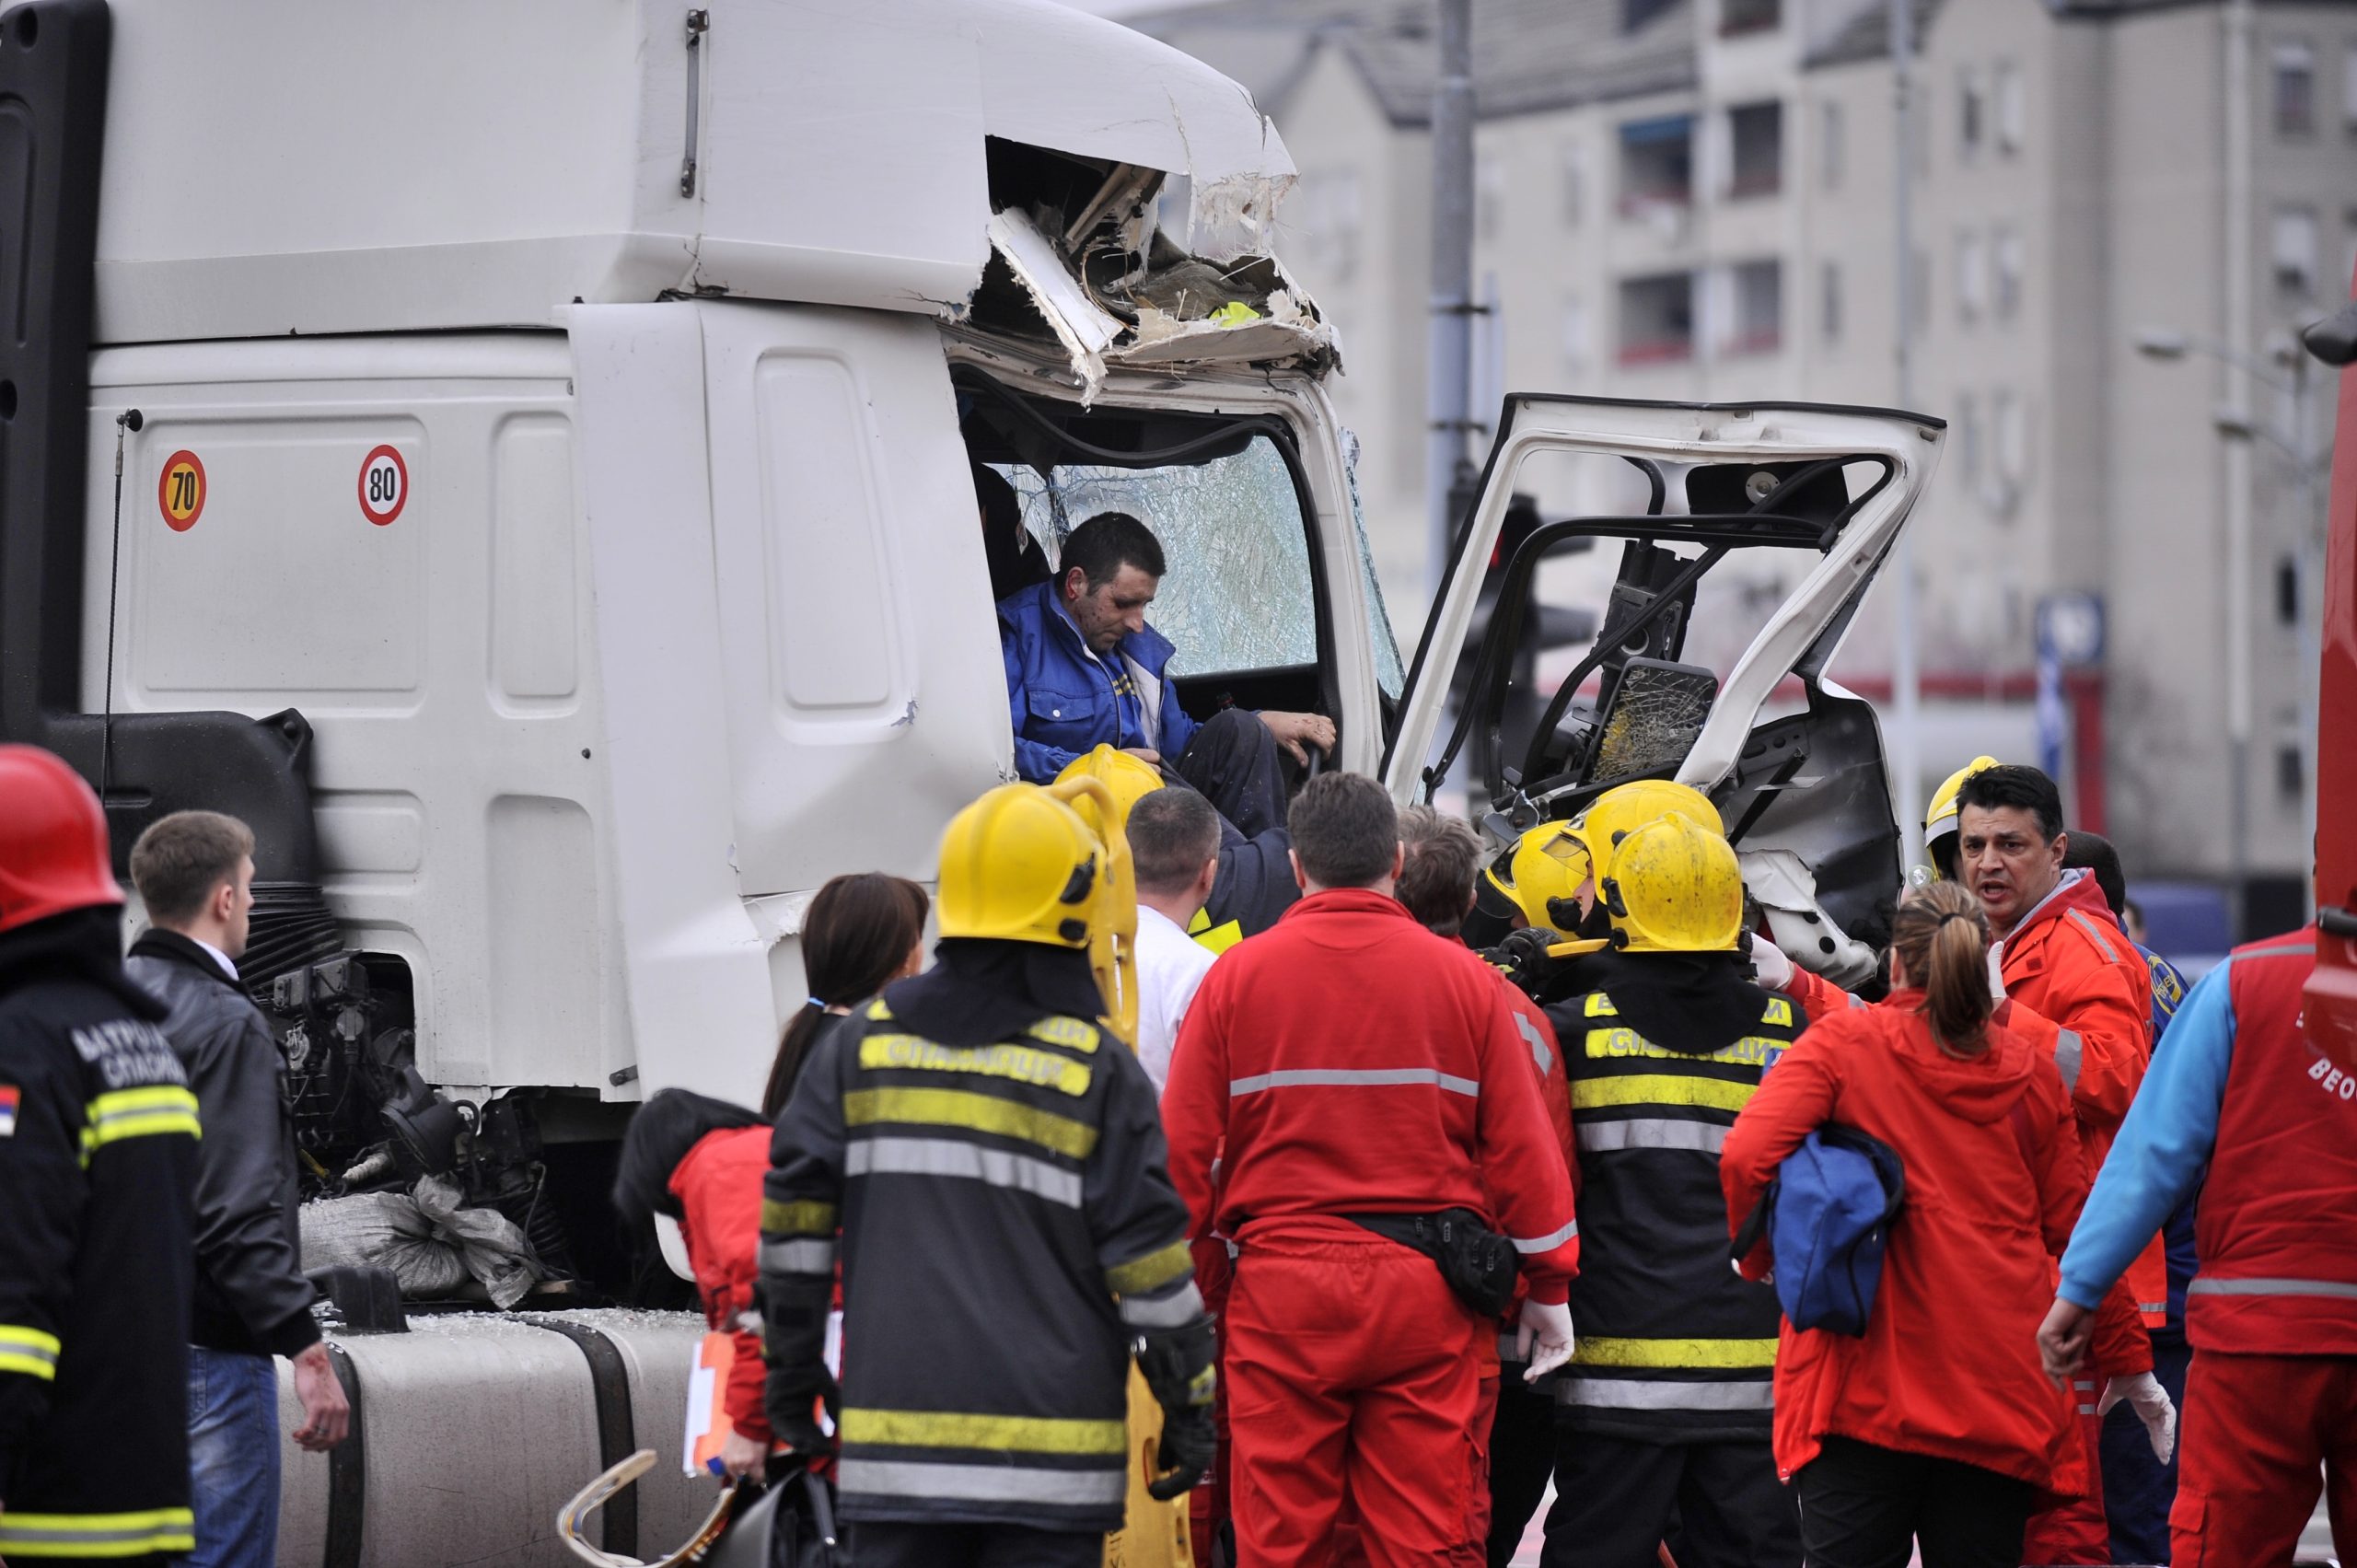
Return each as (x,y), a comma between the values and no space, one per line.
(384,485)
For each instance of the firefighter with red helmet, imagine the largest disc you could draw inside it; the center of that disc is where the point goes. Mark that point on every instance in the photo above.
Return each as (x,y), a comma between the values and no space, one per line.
(97,1154)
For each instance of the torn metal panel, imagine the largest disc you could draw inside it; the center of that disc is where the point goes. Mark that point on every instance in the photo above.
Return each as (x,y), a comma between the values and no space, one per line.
(1085,330)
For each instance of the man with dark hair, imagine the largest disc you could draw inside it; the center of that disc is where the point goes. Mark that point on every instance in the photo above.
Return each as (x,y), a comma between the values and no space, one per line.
(2071,982)
(1084,669)
(1440,858)
(195,871)
(1174,854)
(1366,1095)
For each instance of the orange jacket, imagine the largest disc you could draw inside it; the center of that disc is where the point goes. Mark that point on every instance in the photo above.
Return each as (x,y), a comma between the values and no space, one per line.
(719,1190)
(1948,1365)
(2078,989)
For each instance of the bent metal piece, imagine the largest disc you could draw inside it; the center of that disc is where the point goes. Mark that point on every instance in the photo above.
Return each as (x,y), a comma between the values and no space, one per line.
(573,1521)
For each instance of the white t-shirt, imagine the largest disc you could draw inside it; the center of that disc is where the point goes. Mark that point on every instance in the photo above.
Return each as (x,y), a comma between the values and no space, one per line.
(1170,965)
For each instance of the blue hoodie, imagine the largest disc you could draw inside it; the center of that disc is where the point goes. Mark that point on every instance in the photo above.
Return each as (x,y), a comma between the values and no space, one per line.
(1064,701)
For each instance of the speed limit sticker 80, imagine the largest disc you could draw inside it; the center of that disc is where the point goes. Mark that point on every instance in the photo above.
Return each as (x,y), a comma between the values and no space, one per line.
(384,485)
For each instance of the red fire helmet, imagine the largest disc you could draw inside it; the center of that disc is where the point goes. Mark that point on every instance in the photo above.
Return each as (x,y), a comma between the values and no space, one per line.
(52,840)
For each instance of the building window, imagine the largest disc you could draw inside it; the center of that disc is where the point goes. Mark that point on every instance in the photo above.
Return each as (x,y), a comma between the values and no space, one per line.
(1749,16)
(2287,591)
(1489,197)
(1757,132)
(1575,338)
(2009,440)
(1755,320)
(1829,145)
(1919,289)
(1971,109)
(2349,89)
(2292,73)
(1657,318)
(1637,15)
(1968,439)
(2011,104)
(2296,245)
(2291,772)
(1829,302)
(2005,257)
(1571,176)
(1971,277)
(1657,163)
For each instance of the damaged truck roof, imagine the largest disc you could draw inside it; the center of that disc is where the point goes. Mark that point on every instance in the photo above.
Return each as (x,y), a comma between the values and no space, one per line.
(440,164)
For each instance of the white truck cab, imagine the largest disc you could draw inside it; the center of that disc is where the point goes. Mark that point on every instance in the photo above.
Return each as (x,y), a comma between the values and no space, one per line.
(522,459)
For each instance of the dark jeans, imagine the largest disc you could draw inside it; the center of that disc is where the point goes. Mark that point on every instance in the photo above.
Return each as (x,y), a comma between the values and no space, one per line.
(1616,1498)
(2137,1490)
(1233,761)
(972,1546)
(233,1458)
(1522,1459)
(1863,1506)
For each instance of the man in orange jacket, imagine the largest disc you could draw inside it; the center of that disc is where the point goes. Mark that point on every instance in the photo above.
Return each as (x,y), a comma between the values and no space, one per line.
(1363,1090)
(2074,984)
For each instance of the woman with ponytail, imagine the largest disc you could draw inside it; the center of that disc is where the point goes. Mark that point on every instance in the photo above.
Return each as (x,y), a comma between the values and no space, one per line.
(1936,1425)
(700,1160)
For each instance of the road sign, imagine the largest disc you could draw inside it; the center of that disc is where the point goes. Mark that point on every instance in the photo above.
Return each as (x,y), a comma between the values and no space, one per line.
(384,485)
(181,491)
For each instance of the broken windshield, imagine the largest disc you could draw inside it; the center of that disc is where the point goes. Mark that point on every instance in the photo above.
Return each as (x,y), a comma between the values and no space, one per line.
(1238,594)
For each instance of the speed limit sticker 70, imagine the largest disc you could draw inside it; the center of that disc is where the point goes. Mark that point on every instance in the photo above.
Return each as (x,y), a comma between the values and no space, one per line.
(384,485)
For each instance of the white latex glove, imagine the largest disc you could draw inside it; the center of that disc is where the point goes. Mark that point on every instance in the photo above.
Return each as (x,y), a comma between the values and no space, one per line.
(2151,1402)
(1770,966)
(1550,1326)
(1996,971)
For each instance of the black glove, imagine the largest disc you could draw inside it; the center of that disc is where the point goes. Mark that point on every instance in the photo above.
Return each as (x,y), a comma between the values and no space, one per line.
(789,1400)
(1522,958)
(1187,1449)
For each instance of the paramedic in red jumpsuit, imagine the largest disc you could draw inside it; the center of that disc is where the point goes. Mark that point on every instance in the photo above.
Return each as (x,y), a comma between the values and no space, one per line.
(1349,1061)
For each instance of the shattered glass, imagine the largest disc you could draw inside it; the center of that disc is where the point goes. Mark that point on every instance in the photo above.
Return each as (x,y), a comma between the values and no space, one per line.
(1238,593)
(1389,673)
(1656,713)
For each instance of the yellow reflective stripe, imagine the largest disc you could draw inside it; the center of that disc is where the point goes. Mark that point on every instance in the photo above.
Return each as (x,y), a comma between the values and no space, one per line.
(1620,1040)
(877,1011)
(1020,1063)
(1779,1013)
(1217,938)
(1599,1005)
(944,1429)
(1660,1088)
(1151,1272)
(141,1112)
(1600,1351)
(40,1368)
(976,1112)
(98,1535)
(1070,1033)
(805,1217)
(16,1337)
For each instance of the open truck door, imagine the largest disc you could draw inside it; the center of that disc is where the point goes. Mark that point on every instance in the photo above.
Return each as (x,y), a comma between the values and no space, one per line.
(1747,536)
(2332,998)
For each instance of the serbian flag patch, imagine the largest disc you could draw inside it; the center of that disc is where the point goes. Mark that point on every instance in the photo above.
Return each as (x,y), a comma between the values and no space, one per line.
(9,1095)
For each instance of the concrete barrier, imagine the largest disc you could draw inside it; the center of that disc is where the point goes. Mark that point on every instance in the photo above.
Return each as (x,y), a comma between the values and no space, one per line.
(472,1430)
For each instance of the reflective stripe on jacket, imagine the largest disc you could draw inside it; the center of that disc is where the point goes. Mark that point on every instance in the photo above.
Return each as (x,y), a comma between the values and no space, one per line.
(1672,1344)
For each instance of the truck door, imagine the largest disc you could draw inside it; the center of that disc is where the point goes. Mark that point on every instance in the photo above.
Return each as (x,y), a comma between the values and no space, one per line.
(1724,549)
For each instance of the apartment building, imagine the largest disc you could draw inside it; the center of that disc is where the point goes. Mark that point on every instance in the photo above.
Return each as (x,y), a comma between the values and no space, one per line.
(1693,199)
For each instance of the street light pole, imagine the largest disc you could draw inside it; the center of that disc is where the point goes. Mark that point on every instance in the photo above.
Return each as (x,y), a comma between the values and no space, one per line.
(1448,402)
(1906,750)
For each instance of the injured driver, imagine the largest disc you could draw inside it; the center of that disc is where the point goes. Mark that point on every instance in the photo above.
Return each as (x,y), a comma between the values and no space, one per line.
(1084,669)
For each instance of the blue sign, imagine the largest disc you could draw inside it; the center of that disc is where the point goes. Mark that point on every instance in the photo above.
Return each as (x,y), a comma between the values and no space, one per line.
(2070,636)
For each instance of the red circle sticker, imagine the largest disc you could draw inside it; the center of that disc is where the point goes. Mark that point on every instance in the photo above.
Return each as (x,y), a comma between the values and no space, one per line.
(181,491)
(384,485)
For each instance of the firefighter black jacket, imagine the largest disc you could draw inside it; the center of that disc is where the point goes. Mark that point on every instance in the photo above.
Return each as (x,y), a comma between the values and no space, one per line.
(996,1170)
(97,1156)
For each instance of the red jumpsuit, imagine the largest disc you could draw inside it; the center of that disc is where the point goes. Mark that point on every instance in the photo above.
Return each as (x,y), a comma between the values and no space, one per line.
(1350,1062)
(2272,1315)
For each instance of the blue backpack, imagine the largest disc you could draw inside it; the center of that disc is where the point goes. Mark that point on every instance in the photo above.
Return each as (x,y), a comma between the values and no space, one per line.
(1826,1216)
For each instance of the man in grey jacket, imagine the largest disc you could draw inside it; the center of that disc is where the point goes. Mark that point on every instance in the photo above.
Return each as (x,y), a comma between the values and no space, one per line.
(195,871)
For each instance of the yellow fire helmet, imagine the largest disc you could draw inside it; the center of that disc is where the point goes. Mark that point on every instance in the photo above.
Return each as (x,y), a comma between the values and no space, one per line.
(1020,865)
(1940,818)
(1673,888)
(1547,863)
(1130,779)
(1621,810)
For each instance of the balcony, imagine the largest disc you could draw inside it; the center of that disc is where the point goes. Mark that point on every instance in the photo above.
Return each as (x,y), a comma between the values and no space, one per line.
(1739,16)
(1657,165)
(1756,135)
(1656,320)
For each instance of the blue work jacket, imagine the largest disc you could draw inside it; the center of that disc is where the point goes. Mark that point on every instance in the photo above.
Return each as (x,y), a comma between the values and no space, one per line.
(1063,700)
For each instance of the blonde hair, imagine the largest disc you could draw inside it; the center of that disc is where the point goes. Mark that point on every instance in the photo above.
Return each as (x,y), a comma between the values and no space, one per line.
(1942,936)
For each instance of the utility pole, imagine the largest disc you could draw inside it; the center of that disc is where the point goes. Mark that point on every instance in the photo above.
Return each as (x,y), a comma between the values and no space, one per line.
(1449,399)
(1907,750)
(2235,579)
